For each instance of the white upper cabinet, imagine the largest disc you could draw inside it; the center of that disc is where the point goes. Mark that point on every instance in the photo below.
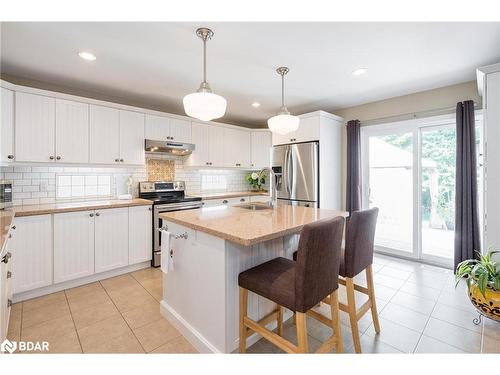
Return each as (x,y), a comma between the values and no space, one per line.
(131,137)
(216,145)
(72,131)
(35,128)
(162,128)
(209,145)
(308,131)
(104,135)
(7,126)
(180,130)
(237,148)
(261,149)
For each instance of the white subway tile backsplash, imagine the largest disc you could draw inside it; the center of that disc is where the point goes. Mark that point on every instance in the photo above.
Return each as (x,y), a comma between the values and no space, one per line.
(31,175)
(13,176)
(31,188)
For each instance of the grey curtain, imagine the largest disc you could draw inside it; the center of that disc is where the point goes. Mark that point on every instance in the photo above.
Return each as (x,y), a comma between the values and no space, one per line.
(467,239)
(353,186)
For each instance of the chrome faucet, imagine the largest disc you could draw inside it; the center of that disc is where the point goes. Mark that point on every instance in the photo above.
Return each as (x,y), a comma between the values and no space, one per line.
(272,178)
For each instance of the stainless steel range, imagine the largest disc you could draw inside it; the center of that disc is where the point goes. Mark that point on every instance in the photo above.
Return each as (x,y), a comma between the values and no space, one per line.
(167,196)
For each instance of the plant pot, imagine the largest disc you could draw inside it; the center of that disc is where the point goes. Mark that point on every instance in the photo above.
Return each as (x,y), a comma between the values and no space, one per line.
(489,305)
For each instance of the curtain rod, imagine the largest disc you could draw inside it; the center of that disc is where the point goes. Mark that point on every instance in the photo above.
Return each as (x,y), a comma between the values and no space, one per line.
(412,115)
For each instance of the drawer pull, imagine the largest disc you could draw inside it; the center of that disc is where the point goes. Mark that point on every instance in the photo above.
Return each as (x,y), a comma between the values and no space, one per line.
(91,215)
(97,214)
(13,227)
(224,201)
(6,257)
(10,157)
(58,158)
(9,302)
(242,199)
(9,274)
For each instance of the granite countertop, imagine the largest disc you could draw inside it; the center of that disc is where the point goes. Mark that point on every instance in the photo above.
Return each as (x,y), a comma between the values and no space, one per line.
(248,227)
(53,208)
(227,194)
(6,217)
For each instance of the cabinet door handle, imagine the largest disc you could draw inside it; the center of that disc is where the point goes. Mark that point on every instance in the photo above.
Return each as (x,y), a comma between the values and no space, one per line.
(6,258)
(10,157)
(13,227)
(97,214)
(242,199)
(91,215)
(51,157)
(9,302)
(224,201)
(117,160)
(207,163)
(58,158)
(9,274)
(121,160)
(150,209)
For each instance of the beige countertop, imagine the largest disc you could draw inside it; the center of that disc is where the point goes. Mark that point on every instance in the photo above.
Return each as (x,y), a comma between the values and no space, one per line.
(53,208)
(6,217)
(228,194)
(248,227)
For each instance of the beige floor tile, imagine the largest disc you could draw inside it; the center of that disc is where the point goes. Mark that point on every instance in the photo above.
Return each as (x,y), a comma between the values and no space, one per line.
(490,345)
(60,333)
(84,289)
(44,301)
(97,334)
(84,301)
(178,345)
(155,334)
(93,314)
(118,282)
(15,318)
(154,287)
(129,298)
(147,274)
(126,343)
(140,316)
(45,313)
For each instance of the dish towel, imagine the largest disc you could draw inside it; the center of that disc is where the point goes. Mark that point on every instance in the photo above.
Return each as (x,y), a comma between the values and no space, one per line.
(167,253)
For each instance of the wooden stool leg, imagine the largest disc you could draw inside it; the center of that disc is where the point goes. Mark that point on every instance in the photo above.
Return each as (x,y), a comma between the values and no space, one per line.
(301,332)
(351,305)
(243,314)
(334,309)
(371,296)
(280,320)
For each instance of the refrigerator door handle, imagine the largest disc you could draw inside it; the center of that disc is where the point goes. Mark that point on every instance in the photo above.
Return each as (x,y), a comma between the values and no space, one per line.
(289,169)
(286,170)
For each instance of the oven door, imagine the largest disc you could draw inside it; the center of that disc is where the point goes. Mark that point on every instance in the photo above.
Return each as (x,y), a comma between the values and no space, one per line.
(157,224)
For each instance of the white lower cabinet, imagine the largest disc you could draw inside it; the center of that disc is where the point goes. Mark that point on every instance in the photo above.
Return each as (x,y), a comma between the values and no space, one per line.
(32,253)
(260,198)
(5,287)
(226,201)
(140,246)
(73,245)
(111,243)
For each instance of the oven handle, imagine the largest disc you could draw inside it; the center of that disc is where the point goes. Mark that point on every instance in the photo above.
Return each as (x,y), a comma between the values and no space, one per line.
(177,206)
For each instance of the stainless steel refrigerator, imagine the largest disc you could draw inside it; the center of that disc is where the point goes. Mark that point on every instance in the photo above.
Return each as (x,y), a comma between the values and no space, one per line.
(297,173)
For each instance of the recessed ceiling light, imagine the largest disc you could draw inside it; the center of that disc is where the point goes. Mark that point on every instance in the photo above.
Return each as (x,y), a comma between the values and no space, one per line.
(256,104)
(360,71)
(87,55)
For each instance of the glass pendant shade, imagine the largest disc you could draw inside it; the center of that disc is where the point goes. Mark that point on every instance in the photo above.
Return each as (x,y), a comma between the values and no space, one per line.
(204,106)
(283,124)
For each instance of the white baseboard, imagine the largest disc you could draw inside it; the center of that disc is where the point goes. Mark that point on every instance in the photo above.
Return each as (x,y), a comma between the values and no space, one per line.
(19,297)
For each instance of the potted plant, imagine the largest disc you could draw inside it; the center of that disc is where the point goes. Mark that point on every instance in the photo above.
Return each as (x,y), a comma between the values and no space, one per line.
(257,180)
(483,281)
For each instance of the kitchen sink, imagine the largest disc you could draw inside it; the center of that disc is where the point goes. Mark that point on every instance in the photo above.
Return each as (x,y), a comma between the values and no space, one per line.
(255,206)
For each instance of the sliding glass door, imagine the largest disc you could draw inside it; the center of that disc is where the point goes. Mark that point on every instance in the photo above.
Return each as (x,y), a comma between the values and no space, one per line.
(408,172)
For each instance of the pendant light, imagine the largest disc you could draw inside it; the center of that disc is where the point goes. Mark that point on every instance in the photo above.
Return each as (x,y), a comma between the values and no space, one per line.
(283,122)
(204,104)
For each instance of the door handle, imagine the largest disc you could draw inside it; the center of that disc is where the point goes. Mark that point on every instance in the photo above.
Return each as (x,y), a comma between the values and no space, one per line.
(6,258)
(290,172)
(97,214)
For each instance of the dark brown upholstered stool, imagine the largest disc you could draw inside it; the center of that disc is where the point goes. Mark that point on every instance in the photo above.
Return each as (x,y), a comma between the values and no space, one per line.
(298,286)
(357,257)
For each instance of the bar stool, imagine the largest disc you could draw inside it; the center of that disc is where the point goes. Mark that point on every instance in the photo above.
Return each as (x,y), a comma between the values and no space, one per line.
(298,286)
(357,257)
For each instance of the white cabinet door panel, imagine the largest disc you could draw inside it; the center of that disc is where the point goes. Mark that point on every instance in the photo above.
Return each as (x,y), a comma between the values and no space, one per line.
(157,127)
(111,243)
(200,138)
(261,149)
(216,145)
(35,128)
(180,130)
(32,253)
(131,137)
(104,135)
(72,131)
(237,148)
(73,245)
(7,126)
(140,248)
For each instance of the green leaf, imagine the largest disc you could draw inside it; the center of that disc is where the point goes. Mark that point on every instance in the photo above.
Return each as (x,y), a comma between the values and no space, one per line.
(483,283)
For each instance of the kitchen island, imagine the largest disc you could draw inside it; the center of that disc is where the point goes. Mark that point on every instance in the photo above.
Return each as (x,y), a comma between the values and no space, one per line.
(200,295)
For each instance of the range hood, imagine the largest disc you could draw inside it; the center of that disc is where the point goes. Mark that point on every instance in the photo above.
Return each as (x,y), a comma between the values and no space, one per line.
(168,147)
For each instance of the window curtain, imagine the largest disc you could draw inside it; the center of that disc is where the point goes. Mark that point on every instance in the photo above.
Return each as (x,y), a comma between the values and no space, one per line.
(467,240)
(353,186)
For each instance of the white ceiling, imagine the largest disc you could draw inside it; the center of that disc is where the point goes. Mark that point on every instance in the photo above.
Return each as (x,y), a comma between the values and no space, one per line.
(159,63)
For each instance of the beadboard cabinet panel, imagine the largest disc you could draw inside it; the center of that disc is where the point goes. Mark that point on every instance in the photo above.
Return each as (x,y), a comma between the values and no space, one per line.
(7,126)
(73,245)
(131,138)
(72,131)
(35,128)
(261,149)
(157,127)
(180,130)
(139,234)
(104,135)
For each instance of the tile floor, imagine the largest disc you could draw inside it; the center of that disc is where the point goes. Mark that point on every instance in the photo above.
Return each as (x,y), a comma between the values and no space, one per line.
(420,312)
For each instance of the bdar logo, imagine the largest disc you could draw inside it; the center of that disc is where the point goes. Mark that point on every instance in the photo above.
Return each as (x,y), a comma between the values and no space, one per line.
(8,346)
